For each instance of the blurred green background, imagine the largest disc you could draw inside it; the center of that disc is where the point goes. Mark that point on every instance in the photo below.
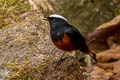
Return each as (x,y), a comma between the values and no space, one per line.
(87,14)
(84,14)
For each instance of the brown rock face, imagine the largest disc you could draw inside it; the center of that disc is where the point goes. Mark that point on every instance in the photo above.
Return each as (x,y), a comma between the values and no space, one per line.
(105,40)
(105,36)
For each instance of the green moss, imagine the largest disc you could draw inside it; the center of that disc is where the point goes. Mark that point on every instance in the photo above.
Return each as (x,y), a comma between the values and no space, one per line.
(117,12)
(21,7)
(26,70)
(7,2)
(10,9)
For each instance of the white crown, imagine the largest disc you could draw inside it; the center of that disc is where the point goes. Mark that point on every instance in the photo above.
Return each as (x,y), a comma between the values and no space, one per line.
(57,16)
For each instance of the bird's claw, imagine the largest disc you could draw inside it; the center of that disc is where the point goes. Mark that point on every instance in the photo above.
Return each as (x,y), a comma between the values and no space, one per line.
(58,62)
(72,67)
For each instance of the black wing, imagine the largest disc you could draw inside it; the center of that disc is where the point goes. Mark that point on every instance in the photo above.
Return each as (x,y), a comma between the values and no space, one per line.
(77,39)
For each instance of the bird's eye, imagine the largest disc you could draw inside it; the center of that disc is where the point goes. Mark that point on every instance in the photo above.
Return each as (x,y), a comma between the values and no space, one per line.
(53,19)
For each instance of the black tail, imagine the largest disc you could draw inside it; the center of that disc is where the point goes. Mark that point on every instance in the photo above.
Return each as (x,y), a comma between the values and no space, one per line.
(93,55)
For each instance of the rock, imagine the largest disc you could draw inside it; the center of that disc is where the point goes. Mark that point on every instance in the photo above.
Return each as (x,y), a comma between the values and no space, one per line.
(44,5)
(100,74)
(26,45)
(116,68)
(111,69)
(47,70)
(105,35)
(116,77)
(105,40)
(110,55)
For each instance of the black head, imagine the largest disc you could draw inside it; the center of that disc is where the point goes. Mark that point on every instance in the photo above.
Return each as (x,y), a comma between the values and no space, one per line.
(56,20)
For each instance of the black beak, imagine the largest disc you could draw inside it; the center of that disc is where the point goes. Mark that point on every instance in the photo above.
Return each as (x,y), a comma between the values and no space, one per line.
(45,19)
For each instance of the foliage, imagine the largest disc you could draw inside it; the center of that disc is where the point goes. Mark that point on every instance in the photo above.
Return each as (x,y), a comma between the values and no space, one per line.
(10,9)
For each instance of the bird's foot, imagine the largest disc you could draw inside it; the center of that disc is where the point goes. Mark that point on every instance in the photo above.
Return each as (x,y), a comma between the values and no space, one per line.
(73,66)
(58,62)
(89,69)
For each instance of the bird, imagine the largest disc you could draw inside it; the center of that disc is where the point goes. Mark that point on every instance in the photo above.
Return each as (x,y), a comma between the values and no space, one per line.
(65,36)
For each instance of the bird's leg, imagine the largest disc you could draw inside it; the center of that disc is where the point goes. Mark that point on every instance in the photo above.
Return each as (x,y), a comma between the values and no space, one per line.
(82,59)
(88,60)
(60,60)
(88,63)
(78,56)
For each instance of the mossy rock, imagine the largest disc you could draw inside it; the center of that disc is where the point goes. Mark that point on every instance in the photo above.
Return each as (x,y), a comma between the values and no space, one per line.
(10,9)
(47,71)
